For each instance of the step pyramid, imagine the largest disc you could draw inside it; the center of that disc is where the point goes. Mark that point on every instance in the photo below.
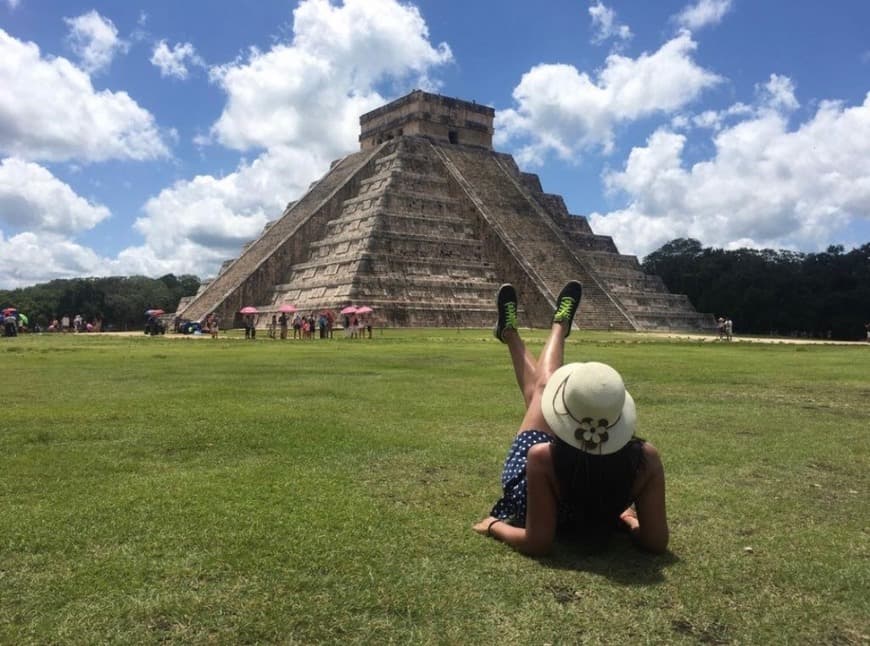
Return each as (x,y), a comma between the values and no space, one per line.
(423,224)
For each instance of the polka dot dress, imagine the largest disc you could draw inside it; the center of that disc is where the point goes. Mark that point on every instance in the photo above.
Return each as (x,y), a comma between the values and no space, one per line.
(512,505)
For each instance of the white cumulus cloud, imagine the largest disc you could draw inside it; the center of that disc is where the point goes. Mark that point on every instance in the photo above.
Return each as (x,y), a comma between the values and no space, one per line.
(314,88)
(173,61)
(94,39)
(563,110)
(766,186)
(39,218)
(37,257)
(299,102)
(778,93)
(34,199)
(703,13)
(605,25)
(207,219)
(50,111)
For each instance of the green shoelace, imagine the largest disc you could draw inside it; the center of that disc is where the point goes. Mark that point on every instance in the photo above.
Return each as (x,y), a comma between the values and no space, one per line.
(564,311)
(510,319)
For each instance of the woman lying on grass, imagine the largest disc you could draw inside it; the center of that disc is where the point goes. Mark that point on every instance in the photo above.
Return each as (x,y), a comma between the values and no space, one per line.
(575,465)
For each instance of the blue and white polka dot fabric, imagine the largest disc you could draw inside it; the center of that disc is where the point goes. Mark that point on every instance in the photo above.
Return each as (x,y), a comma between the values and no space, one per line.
(512,506)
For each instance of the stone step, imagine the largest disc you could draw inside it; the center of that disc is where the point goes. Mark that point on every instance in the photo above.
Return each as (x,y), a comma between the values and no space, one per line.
(267,244)
(534,238)
(385,215)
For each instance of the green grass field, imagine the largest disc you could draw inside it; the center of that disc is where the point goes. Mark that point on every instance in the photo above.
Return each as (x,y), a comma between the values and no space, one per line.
(198,491)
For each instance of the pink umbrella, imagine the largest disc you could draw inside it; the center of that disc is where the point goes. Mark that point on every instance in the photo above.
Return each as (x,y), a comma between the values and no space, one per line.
(350,309)
(365,309)
(248,310)
(287,308)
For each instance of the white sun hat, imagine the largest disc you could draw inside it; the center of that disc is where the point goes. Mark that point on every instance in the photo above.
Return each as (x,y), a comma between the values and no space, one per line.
(588,407)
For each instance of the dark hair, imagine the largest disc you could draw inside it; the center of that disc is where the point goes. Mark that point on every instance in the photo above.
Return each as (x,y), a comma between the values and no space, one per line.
(594,489)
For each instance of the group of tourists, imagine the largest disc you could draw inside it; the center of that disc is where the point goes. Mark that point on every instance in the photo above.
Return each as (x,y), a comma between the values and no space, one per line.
(358,326)
(304,326)
(309,326)
(13,322)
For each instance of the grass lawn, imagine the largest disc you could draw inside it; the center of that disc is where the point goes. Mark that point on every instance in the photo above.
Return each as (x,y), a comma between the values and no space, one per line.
(200,491)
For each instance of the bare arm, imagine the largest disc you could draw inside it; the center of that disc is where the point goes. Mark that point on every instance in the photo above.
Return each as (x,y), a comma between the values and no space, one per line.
(537,536)
(648,527)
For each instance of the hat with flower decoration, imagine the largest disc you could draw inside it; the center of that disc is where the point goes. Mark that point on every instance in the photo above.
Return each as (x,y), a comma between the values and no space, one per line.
(588,407)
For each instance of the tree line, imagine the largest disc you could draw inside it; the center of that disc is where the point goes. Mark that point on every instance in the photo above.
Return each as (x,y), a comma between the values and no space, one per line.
(766,291)
(118,301)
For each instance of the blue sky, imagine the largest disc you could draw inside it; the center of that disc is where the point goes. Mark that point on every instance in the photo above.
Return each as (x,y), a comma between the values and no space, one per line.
(156,137)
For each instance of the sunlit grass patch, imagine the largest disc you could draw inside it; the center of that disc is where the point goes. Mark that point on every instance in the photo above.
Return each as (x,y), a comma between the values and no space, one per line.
(156,489)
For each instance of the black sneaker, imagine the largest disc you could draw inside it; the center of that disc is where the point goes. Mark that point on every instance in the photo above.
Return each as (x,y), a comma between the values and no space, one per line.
(506,302)
(567,304)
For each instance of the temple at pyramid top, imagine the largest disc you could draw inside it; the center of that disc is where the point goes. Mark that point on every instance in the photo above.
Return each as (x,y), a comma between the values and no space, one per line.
(423,224)
(436,117)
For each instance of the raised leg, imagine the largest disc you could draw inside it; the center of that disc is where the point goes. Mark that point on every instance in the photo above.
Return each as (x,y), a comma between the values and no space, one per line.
(552,356)
(506,331)
(525,365)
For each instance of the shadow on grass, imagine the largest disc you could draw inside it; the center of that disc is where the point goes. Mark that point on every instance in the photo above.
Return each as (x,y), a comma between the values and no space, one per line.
(614,558)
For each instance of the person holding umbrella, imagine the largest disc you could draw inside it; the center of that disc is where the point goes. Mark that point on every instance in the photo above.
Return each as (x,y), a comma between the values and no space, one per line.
(346,312)
(366,321)
(10,322)
(250,322)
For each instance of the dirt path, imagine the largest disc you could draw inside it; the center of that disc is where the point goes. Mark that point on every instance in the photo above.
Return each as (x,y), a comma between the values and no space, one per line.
(683,336)
(712,338)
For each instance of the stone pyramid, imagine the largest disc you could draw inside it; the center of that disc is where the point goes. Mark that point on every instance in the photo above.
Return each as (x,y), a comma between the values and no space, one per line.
(423,224)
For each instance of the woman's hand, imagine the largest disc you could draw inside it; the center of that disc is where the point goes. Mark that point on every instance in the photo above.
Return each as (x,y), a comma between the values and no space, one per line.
(629,519)
(483,526)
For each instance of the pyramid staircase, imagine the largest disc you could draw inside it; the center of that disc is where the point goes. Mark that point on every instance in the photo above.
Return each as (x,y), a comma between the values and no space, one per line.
(405,245)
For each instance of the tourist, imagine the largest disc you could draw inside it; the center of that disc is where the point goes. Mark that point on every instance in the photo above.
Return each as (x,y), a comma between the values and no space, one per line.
(330,323)
(10,325)
(282,322)
(729,328)
(273,326)
(575,467)
(297,326)
(213,325)
(354,327)
(250,327)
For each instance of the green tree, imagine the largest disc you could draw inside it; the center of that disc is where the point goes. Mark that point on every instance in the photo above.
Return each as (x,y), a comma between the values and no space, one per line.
(772,291)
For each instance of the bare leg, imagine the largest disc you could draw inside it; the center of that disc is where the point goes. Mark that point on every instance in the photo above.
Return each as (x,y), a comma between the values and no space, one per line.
(506,331)
(553,354)
(550,360)
(525,366)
